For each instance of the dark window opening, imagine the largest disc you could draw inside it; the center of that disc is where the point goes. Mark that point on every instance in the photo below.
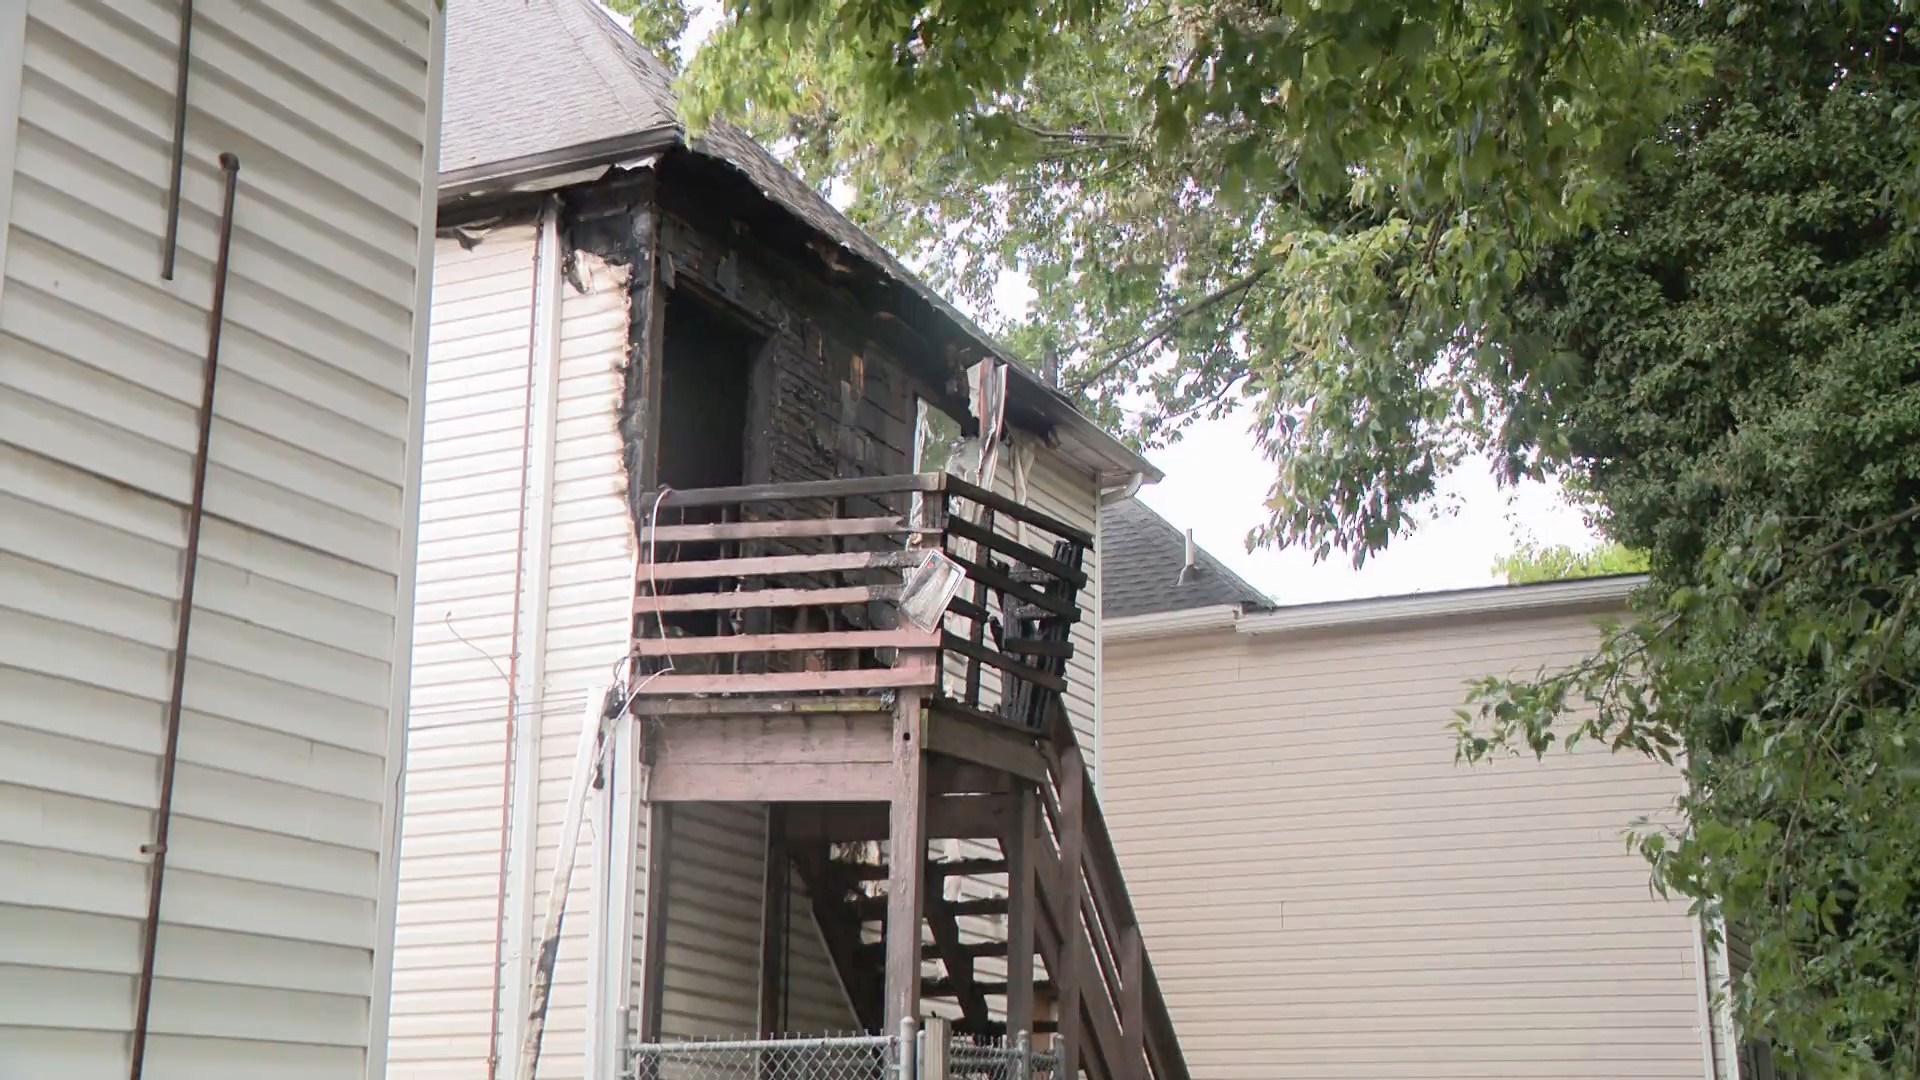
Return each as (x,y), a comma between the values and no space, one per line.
(706,375)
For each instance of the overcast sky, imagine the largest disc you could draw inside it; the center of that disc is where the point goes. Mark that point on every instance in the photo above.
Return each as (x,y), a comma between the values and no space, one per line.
(1216,485)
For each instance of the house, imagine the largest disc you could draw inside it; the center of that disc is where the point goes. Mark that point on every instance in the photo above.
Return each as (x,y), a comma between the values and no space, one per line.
(677,441)
(1326,893)
(198,771)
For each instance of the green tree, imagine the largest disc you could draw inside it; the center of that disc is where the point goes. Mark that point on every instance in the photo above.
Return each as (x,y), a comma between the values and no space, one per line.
(1668,249)
(657,24)
(1531,562)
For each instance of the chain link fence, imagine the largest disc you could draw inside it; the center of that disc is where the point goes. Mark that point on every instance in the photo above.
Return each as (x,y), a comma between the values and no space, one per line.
(970,1059)
(858,1057)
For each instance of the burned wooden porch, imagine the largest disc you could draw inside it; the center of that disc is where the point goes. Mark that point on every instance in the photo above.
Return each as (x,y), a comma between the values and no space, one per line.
(881,662)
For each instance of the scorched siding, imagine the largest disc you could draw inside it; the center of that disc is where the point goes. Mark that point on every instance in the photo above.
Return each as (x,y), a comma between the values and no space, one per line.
(269,945)
(1326,894)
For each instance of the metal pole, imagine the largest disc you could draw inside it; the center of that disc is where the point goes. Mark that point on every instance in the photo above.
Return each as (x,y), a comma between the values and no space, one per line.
(181,64)
(1023,1043)
(196,508)
(909,1049)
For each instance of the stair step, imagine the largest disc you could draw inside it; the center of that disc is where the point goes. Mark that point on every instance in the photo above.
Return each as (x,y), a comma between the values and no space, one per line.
(875,952)
(989,987)
(942,867)
(874,908)
(998,1030)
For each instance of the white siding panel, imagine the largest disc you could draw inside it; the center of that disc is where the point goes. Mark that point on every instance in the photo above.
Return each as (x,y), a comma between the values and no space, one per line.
(267,946)
(452,835)
(1326,894)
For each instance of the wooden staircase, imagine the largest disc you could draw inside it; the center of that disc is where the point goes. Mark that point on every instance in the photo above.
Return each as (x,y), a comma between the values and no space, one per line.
(867,737)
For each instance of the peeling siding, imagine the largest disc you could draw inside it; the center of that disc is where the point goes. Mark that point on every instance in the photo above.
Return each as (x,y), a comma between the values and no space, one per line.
(270,940)
(1326,894)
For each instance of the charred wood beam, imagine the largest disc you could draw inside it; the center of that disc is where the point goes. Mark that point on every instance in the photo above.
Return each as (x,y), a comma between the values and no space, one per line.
(943,920)
(828,895)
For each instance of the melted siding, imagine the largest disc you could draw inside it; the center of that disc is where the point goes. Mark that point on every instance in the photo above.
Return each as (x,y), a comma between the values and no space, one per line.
(1325,894)
(269,940)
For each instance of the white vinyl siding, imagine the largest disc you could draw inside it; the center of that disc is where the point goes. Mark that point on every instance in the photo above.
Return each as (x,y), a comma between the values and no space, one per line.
(1326,894)
(269,948)
(450,852)
(576,562)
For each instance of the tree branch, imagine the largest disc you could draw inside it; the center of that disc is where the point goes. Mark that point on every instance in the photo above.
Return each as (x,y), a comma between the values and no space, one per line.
(1135,346)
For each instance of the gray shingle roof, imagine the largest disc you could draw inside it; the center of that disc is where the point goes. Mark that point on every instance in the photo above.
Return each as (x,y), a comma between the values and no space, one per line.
(526,78)
(1141,556)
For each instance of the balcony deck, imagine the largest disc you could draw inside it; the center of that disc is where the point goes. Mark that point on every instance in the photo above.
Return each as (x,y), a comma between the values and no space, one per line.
(917,582)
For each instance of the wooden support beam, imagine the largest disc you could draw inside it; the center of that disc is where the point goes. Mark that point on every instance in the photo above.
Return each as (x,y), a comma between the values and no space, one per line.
(949,817)
(1073,967)
(653,921)
(995,745)
(1133,1006)
(857,705)
(1021,837)
(951,776)
(774,740)
(944,923)
(795,783)
(906,854)
(776,898)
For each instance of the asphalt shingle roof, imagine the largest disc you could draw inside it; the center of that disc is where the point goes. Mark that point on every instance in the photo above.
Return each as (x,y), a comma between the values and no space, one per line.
(1141,556)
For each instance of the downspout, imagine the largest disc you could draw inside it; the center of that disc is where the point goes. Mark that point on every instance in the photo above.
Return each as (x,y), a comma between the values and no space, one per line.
(196,513)
(510,763)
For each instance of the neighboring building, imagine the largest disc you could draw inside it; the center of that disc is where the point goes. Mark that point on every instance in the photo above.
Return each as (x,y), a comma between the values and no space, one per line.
(276,903)
(1326,893)
(617,312)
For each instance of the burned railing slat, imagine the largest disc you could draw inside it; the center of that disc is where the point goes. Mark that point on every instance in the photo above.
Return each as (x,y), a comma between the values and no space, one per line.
(832,639)
(1018,511)
(1014,549)
(765,598)
(909,673)
(768,565)
(778,529)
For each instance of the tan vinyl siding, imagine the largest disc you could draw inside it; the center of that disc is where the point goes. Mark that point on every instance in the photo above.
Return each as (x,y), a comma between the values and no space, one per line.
(270,942)
(1325,894)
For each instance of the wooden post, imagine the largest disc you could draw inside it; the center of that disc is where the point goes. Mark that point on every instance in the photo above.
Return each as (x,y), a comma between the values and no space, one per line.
(775,900)
(933,1049)
(653,925)
(1072,843)
(1133,1005)
(906,854)
(1019,852)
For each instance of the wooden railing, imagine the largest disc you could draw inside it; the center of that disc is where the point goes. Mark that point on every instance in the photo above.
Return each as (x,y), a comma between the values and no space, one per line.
(808,587)
(1101,950)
